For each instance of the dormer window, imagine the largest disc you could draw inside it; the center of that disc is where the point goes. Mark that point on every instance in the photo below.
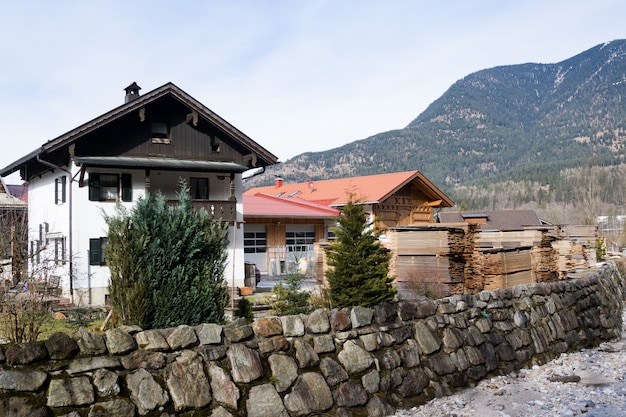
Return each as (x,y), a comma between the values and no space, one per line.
(160,132)
(159,129)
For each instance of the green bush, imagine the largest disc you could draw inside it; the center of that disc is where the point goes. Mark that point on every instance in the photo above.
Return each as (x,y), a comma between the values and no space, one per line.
(290,299)
(167,263)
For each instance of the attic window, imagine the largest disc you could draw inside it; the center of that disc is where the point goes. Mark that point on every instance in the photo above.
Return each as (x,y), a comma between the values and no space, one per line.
(294,193)
(280,194)
(160,133)
(215,144)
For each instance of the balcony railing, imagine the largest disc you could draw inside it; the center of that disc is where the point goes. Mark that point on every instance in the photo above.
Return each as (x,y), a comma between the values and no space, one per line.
(224,210)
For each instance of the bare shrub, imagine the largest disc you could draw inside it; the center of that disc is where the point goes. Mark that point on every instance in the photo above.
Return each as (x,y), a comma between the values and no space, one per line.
(422,282)
(22,316)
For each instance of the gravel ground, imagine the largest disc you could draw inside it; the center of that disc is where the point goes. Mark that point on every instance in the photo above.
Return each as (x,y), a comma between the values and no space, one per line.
(591,382)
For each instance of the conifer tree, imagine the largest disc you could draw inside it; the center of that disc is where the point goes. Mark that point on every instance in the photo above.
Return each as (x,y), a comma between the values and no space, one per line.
(167,263)
(359,273)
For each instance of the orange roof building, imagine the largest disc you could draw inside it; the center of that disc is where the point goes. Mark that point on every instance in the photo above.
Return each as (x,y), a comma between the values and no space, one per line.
(394,199)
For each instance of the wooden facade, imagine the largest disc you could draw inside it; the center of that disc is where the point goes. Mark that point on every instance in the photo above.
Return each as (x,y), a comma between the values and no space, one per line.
(409,205)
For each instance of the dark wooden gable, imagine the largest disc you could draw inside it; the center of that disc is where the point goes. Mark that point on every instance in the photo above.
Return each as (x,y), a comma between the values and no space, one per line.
(185,130)
(165,128)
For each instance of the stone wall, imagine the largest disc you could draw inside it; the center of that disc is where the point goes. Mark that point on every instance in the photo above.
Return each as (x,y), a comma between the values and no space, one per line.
(354,362)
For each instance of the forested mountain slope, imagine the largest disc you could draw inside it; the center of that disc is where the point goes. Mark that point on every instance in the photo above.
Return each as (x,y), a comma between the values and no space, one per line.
(527,122)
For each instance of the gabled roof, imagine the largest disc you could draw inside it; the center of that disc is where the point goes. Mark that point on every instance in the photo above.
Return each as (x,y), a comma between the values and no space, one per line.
(263,205)
(7,200)
(366,189)
(18,190)
(503,220)
(263,156)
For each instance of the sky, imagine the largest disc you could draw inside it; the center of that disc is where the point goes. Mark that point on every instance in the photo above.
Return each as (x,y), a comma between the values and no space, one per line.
(294,75)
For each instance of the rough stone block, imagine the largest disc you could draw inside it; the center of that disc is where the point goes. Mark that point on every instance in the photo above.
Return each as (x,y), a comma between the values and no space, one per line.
(70,392)
(182,337)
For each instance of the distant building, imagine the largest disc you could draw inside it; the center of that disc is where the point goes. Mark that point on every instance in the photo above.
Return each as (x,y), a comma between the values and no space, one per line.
(287,224)
(13,227)
(394,199)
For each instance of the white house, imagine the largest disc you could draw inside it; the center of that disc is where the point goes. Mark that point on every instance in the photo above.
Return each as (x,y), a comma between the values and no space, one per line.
(147,144)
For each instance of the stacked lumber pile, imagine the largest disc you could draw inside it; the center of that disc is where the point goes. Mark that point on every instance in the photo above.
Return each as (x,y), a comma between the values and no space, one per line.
(474,277)
(510,239)
(427,256)
(466,259)
(573,256)
(510,258)
(545,259)
(583,234)
(504,268)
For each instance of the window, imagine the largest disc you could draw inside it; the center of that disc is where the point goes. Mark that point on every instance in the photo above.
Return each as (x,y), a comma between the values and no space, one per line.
(106,187)
(297,241)
(159,130)
(199,188)
(96,251)
(60,190)
(127,188)
(215,144)
(59,250)
(255,242)
(44,228)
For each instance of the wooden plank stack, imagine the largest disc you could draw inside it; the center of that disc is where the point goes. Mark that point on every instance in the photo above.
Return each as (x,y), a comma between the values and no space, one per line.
(462,258)
(545,259)
(427,257)
(573,256)
(506,268)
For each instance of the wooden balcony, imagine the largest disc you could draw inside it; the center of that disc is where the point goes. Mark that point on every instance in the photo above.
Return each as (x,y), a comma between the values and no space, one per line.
(224,210)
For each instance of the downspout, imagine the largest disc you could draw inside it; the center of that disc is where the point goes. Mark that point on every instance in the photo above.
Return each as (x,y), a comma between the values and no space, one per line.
(71,256)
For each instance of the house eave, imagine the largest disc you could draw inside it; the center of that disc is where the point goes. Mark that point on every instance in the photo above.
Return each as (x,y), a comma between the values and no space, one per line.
(166,164)
(15,166)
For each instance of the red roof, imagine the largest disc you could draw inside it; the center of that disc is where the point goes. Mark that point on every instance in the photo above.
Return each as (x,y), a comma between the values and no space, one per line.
(263,205)
(19,191)
(366,189)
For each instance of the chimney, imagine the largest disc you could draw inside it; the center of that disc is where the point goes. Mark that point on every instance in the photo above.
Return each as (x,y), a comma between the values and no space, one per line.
(279,182)
(132,92)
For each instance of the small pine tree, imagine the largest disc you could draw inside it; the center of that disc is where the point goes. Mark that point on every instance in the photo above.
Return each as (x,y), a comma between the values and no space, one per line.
(244,310)
(359,273)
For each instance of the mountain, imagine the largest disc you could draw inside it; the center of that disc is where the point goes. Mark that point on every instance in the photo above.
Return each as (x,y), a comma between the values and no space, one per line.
(528,122)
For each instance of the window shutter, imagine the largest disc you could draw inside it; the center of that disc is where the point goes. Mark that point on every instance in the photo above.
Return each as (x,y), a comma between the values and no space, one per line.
(94,187)
(56,191)
(63,188)
(127,188)
(56,251)
(94,251)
